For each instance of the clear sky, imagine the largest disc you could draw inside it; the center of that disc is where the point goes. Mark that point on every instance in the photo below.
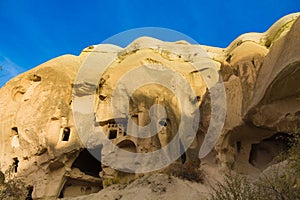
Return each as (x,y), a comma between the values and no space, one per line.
(34,31)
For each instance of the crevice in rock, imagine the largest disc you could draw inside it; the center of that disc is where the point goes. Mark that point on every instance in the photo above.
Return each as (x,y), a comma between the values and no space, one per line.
(238,146)
(29,192)
(15,164)
(183,155)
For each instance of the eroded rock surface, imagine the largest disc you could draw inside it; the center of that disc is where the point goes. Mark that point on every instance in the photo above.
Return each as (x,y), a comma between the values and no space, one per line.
(43,146)
(155,186)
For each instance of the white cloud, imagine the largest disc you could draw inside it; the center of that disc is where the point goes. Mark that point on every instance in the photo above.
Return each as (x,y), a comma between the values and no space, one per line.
(9,70)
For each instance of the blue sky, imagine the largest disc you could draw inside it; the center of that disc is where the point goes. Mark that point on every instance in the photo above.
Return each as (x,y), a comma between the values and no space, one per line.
(33,31)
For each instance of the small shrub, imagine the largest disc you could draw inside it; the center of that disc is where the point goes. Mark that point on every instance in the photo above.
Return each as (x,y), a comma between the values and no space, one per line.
(13,190)
(2,178)
(188,171)
(234,187)
(111,181)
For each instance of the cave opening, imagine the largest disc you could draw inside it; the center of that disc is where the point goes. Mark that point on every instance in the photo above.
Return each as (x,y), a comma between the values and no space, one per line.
(29,192)
(112,134)
(15,131)
(127,145)
(74,188)
(183,158)
(266,152)
(183,154)
(88,162)
(66,134)
(238,146)
(15,164)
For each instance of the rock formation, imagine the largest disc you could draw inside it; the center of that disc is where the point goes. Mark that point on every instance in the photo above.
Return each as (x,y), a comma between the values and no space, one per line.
(40,140)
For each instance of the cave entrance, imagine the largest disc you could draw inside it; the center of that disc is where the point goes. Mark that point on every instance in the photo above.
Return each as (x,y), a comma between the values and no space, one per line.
(84,177)
(126,145)
(264,154)
(75,187)
(87,163)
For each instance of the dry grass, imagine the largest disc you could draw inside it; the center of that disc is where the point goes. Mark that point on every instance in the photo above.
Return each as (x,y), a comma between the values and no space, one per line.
(188,171)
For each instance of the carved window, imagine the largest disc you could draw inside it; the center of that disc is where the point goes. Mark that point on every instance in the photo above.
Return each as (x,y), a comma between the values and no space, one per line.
(66,134)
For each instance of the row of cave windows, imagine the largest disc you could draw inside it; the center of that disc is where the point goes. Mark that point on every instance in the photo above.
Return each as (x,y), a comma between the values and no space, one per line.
(279,139)
(88,164)
(66,132)
(65,137)
(113,132)
(85,157)
(114,129)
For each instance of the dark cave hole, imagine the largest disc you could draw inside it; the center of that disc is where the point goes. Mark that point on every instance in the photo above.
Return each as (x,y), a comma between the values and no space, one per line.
(266,152)
(15,164)
(238,146)
(29,192)
(15,130)
(183,158)
(162,123)
(61,195)
(66,134)
(127,145)
(183,154)
(87,163)
(112,134)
